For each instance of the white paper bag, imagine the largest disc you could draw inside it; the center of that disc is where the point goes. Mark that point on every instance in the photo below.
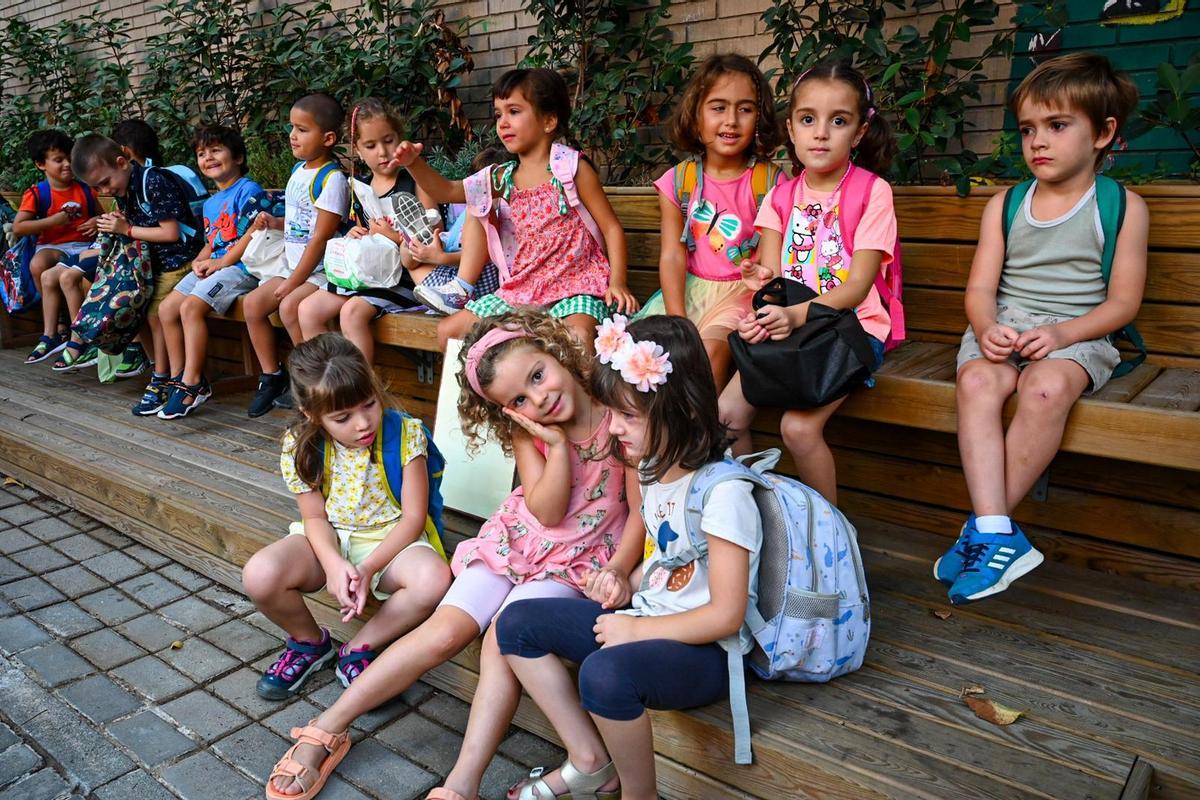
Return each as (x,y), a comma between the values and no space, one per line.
(264,257)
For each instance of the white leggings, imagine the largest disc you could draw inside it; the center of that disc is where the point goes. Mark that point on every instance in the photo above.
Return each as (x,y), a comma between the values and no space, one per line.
(483,594)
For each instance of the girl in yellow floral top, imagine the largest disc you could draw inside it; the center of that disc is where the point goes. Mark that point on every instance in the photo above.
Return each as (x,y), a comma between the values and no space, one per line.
(354,538)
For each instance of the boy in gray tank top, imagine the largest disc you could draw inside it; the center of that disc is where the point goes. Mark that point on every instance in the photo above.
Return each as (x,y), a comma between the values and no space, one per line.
(1040,313)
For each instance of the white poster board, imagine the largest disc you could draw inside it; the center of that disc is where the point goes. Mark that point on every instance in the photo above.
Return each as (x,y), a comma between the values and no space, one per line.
(473,484)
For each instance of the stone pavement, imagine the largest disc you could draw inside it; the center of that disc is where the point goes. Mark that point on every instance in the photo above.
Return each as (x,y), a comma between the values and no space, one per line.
(126,675)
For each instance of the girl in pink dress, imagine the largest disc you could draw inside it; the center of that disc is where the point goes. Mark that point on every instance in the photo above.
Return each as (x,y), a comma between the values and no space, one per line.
(561,534)
(542,218)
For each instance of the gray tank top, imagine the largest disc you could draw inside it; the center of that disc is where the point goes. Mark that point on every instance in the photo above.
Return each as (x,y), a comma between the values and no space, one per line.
(1053,267)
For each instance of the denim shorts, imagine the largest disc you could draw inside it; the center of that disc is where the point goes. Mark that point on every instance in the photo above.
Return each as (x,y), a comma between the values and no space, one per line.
(220,288)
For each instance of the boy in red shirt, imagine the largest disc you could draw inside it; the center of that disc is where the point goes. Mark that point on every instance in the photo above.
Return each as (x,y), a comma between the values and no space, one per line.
(61,212)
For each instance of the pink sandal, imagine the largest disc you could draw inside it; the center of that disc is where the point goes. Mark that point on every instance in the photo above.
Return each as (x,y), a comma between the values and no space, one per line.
(336,744)
(442,793)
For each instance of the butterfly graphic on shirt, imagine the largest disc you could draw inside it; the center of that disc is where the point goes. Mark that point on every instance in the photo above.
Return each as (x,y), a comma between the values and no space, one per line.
(723,231)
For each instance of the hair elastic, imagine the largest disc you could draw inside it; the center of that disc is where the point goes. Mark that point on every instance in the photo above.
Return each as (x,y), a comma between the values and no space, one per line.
(494,337)
(353,119)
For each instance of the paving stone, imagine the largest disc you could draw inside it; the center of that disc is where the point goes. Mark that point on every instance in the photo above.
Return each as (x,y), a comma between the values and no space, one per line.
(151,738)
(221,597)
(499,776)
(16,760)
(151,558)
(237,689)
(198,659)
(30,593)
(110,537)
(338,789)
(55,663)
(21,491)
(246,642)
(296,715)
(151,632)
(21,514)
(114,566)
(7,737)
(423,742)
(189,579)
(254,749)
(11,570)
(203,776)
(7,609)
(8,499)
(204,715)
(81,546)
(18,633)
(49,505)
(106,648)
(259,620)
(40,559)
(65,619)
(74,581)
(50,529)
(45,784)
(110,606)
(153,590)
(15,539)
(373,769)
(194,614)
(447,710)
(532,751)
(139,784)
(99,698)
(152,678)
(373,719)
(79,520)
(83,753)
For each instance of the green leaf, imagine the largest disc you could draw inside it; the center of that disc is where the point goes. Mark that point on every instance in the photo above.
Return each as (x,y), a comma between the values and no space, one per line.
(1168,76)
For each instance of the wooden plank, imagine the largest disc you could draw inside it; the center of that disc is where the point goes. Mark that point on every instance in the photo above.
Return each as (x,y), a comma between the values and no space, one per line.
(1124,388)
(417,331)
(1175,389)
(637,211)
(1137,785)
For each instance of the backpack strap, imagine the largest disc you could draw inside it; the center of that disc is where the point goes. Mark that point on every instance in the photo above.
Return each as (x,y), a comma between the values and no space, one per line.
(689,186)
(42,198)
(1014,198)
(320,179)
(92,206)
(1111,202)
(765,175)
(856,196)
(564,163)
(480,204)
(387,453)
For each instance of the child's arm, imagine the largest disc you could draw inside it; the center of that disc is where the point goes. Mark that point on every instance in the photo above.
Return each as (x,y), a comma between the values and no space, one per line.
(201,264)
(434,253)
(612,586)
(592,195)
(546,480)
(1125,287)
(314,251)
(995,341)
(414,500)
(27,223)
(339,573)
(672,258)
(165,232)
(728,577)
(437,187)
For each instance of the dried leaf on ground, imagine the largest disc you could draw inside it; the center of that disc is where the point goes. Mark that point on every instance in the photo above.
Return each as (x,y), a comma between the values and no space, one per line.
(943,613)
(971,690)
(13,482)
(991,711)
(176,645)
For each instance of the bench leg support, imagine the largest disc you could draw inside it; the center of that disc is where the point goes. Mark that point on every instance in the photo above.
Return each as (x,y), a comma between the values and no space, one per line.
(1041,489)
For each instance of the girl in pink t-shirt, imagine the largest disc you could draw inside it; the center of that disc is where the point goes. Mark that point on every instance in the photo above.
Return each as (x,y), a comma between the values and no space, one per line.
(726,120)
(830,114)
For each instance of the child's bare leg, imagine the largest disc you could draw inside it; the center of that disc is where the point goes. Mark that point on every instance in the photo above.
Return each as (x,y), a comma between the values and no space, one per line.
(51,298)
(804,436)
(419,272)
(258,307)
(317,310)
(584,328)
(981,389)
(162,360)
(444,634)
(194,317)
(38,266)
(1046,391)
(172,328)
(74,288)
(492,710)
(289,310)
(720,358)
(631,745)
(454,326)
(737,413)
(355,319)
(276,579)
(474,251)
(417,580)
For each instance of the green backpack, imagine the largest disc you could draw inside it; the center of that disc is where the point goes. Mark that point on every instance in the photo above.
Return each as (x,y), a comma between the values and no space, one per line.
(1110,198)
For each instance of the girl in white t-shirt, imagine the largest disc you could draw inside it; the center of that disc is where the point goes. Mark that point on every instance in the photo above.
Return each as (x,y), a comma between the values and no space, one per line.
(660,653)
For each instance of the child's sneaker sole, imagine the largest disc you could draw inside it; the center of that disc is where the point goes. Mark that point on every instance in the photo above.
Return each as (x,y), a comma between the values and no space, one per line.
(1021,567)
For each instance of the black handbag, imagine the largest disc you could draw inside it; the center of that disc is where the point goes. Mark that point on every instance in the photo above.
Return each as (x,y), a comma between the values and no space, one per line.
(819,362)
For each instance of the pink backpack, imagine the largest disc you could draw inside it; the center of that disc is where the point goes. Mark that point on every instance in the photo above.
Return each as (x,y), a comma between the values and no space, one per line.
(856,192)
(502,245)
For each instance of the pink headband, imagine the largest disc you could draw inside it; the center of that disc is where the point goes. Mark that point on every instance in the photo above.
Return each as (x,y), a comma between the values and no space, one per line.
(494,337)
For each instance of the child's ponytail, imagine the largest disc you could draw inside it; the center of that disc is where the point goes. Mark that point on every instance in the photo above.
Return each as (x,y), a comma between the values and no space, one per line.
(877,148)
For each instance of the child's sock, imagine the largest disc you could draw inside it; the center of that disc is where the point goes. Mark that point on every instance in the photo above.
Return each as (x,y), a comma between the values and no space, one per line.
(467,286)
(993,523)
(158,377)
(278,371)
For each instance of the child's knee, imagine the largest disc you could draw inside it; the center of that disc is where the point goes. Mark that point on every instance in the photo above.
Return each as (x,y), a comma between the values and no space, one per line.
(1047,391)
(70,278)
(192,309)
(454,326)
(261,576)
(801,431)
(983,380)
(430,582)
(50,278)
(605,682)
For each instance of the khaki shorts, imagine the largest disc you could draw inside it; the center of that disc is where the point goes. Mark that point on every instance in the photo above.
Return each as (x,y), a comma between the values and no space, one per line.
(355,546)
(164,284)
(1098,357)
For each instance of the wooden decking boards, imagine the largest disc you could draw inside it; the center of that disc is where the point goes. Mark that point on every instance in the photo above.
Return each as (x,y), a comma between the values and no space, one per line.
(1106,667)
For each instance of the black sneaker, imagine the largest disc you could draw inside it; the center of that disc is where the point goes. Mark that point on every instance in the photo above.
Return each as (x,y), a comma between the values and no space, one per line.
(155,396)
(270,387)
(286,400)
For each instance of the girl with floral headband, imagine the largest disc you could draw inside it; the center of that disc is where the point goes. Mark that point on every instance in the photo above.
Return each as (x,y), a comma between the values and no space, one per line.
(660,653)
(524,383)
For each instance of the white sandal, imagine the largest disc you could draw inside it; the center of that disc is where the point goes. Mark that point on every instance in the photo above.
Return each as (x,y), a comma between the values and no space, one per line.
(580,785)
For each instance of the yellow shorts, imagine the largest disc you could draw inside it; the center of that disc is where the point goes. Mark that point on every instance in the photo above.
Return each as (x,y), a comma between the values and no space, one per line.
(715,306)
(355,546)
(164,284)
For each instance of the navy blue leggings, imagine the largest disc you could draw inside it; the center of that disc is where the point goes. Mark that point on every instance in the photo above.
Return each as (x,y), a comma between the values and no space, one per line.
(618,682)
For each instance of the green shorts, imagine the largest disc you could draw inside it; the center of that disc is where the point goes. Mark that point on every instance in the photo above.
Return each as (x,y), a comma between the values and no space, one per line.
(492,306)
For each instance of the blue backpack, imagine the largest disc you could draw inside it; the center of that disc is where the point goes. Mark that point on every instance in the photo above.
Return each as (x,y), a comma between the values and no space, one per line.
(813,616)
(385,452)
(190,187)
(18,289)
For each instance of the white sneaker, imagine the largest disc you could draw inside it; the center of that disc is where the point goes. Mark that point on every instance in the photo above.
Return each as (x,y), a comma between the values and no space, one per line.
(449,298)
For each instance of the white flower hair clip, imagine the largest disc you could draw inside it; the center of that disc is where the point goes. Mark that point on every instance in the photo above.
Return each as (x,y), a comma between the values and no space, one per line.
(643,364)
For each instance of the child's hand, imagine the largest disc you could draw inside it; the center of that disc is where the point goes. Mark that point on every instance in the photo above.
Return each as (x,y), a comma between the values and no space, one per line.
(340,581)
(406,153)
(552,435)
(749,329)
(755,275)
(619,293)
(380,227)
(357,232)
(113,222)
(997,342)
(263,221)
(1037,343)
(283,289)
(775,320)
(615,629)
(207,267)
(360,589)
(88,226)
(431,253)
(606,586)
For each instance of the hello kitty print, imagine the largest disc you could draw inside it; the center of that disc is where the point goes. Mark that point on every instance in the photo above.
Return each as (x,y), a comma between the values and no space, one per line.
(813,252)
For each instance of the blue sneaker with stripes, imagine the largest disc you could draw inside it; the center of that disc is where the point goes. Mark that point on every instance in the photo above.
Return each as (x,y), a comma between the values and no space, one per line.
(947,568)
(991,562)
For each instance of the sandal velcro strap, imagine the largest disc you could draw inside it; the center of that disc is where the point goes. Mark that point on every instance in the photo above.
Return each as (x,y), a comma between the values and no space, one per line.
(307,648)
(290,768)
(311,734)
(355,656)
